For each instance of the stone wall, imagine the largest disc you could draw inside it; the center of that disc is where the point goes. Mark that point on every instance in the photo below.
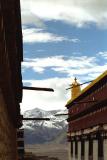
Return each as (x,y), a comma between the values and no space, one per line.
(7,133)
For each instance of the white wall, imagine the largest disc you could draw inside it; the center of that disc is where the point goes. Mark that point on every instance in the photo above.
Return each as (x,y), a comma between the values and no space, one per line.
(86,154)
(95,149)
(69,153)
(79,150)
(105,149)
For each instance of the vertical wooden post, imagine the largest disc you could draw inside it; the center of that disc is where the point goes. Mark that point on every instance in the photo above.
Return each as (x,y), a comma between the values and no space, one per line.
(76,148)
(90,148)
(71,148)
(82,149)
(100,147)
(105,147)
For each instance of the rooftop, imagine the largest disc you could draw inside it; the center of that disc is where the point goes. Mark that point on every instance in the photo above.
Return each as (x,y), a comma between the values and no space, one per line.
(89,86)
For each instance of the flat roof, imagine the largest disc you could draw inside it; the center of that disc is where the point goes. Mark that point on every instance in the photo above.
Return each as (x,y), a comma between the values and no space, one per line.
(89,86)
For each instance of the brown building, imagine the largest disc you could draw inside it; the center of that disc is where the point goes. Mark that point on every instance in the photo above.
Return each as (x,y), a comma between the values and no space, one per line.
(20,144)
(11,55)
(87,121)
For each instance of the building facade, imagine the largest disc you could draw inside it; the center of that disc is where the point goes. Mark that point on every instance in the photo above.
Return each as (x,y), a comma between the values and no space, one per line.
(87,121)
(20,144)
(11,55)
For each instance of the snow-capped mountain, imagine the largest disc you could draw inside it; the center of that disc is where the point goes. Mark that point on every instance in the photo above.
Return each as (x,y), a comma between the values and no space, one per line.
(44,131)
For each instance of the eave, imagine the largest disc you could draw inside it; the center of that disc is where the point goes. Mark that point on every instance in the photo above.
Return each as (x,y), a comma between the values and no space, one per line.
(88,88)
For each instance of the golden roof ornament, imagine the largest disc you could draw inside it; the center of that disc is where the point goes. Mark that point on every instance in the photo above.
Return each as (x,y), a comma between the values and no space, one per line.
(76,89)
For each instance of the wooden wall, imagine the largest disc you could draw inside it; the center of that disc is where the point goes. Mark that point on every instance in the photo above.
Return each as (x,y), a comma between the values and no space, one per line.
(7,133)
(11,55)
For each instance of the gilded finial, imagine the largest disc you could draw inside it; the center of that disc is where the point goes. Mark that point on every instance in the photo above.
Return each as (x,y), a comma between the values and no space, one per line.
(75,90)
(75,79)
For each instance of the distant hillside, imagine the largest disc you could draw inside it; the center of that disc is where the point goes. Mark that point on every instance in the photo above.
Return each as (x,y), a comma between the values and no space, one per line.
(39,132)
(60,139)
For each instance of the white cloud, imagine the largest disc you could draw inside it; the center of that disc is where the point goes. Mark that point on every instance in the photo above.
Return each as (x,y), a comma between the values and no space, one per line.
(83,71)
(40,50)
(75,12)
(75,40)
(32,35)
(30,18)
(103,54)
(61,64)
(71,66)
(84,67)
(46,100)
(56,99)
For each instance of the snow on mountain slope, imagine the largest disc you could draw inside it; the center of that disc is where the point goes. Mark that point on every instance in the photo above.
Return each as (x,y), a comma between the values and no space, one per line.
(55,122)
(44,131)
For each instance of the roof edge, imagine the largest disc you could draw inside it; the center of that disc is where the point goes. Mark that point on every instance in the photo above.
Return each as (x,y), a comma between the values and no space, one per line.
(88,87)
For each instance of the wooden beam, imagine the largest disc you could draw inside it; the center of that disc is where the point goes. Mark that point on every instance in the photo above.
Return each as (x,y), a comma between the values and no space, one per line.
(37,119)
(90,101)
(62,114)
(38,89)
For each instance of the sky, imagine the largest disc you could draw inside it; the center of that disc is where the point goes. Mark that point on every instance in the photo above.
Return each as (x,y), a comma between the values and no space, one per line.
(62,39)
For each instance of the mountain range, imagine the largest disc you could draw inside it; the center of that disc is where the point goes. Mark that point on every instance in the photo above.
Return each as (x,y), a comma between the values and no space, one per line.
(39,132)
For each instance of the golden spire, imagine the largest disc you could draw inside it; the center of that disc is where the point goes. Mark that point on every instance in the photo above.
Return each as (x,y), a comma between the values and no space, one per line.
(75,90)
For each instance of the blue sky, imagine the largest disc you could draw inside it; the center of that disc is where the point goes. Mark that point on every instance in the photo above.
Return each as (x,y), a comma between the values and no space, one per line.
(61,39)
